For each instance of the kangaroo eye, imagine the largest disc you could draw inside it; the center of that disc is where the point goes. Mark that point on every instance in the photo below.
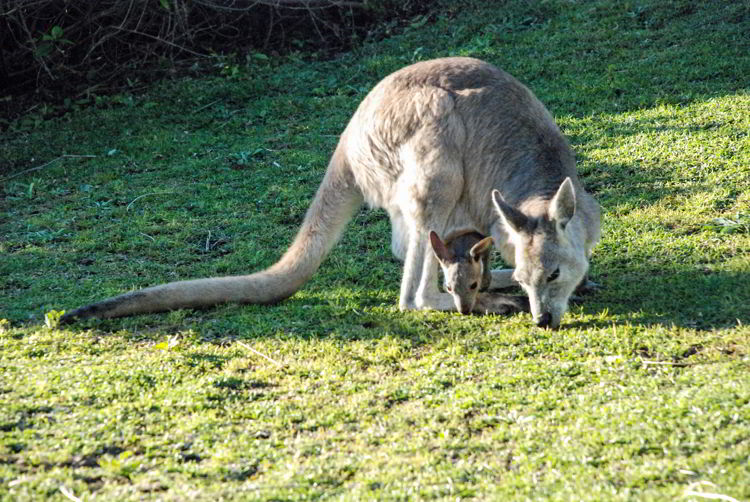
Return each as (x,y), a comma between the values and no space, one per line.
(474,285)
(554,275)
(477,258)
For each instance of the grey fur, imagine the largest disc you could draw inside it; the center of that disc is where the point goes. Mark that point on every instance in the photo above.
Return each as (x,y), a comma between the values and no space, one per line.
(428,144)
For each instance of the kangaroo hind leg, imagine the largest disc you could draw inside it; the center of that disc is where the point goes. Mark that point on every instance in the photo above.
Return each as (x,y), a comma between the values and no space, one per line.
(429,204)
(429,188)
(419,284)
(399,235)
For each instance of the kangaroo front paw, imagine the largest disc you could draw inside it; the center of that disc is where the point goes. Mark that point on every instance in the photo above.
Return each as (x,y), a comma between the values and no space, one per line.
(586,287)
(502,278)
(497,303)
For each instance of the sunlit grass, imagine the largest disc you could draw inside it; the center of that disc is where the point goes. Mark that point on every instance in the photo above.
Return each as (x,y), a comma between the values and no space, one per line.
(335,394)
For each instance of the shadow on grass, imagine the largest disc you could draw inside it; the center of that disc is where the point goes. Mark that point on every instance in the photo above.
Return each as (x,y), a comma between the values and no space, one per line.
(687,297)
(693,298)
(628,184)
(641,294)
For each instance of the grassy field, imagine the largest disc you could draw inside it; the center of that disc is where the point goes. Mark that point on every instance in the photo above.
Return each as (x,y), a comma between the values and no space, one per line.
(644,394)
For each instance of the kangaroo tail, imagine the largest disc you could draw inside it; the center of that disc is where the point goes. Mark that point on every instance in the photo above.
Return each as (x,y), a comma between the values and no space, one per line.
(336,201)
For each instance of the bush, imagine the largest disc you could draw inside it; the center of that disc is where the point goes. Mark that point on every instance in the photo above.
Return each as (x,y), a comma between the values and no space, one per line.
(58,47)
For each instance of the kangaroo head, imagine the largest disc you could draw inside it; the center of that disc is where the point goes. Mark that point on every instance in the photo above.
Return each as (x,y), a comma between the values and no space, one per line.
(465,267)
(550,260)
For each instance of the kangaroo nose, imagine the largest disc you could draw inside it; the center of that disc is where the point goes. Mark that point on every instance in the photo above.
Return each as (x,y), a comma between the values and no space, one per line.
(545,320)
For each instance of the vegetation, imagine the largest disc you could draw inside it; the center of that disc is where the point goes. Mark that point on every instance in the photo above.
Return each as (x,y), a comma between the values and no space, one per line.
(73,52)
(643,394)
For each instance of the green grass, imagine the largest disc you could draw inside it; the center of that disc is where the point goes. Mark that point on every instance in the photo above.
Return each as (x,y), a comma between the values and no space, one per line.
(642,395)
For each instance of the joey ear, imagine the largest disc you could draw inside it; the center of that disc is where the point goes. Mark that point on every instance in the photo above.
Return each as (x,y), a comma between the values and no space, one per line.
(441,251)
(514,219)
(563,205)
(481,247)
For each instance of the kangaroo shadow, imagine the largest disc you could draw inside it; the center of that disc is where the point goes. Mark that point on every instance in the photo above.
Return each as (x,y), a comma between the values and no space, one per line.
(689,297)
(640,281)
(695,297)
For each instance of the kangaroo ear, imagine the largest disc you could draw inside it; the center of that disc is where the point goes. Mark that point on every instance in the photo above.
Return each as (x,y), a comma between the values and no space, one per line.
(481,247)
(563,205)
(514,219)
(443,253)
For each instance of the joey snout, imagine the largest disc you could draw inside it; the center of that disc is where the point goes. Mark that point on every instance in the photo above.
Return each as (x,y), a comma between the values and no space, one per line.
(464,306)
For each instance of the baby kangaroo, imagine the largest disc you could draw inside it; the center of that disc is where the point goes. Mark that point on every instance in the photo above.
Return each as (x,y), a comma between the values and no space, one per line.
(464,258)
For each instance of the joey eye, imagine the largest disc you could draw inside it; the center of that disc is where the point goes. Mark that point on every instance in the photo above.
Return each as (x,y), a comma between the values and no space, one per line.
(474,285)
(554,275)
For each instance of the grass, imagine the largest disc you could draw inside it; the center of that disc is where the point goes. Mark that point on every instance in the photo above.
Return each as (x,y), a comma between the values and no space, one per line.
(334,394)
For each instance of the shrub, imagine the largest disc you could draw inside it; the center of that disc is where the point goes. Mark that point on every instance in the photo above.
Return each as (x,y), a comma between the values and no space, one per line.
(58,47)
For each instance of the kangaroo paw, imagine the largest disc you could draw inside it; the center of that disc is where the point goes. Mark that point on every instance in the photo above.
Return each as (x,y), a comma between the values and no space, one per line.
(587,286)
(497,303)
(502,279)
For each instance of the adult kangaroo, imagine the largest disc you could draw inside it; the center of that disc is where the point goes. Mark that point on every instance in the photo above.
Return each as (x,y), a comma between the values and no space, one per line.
(429,144)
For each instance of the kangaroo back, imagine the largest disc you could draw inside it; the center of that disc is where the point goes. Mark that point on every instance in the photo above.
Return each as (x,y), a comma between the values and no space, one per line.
(333,206)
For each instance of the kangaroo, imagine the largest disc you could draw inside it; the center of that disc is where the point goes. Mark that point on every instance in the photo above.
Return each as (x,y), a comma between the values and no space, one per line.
(464,258)
(428,144)
(549,242)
